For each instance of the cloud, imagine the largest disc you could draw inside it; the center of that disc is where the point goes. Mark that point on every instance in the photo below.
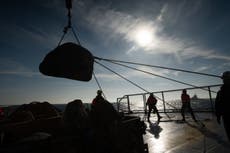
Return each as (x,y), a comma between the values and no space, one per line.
(160,17)
(18,36)
(202,68)
(107,76)
(38,35)
(113,24)
(145,72)
(218,56)
(19,73)
(10,67)
(198,51)
(131,73)
(226,64)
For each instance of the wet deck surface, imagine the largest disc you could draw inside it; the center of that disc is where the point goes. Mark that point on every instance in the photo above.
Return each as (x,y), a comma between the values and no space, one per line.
(173,136)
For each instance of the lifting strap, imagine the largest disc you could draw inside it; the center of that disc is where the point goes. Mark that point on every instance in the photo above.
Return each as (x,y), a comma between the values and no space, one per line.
(69,24)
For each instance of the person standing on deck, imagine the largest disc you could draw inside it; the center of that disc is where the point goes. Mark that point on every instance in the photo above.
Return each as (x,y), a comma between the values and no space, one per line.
(222,103)
(102,113)
(98,97)
(185,99)
(151,102)
(1,113)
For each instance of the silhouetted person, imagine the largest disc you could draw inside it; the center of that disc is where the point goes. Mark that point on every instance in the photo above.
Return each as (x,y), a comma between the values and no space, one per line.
(222,103)
(98,97)
(104,119)
(1,113)
(102,112)
(151,102)
(185,99)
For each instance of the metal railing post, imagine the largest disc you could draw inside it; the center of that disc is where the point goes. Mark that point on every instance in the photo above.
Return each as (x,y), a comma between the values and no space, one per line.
(118,104)
(210,97)
(165,103)
(128,103)
(144,103)
(163,99)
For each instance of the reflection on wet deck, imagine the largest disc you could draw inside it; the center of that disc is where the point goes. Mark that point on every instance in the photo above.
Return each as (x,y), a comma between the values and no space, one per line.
(173,136)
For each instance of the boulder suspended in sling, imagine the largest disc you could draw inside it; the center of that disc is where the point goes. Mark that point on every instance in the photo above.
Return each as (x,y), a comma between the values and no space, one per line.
(70,61)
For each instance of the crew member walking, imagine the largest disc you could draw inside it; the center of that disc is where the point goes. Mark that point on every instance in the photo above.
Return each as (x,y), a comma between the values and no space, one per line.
(185,99)
(151,103)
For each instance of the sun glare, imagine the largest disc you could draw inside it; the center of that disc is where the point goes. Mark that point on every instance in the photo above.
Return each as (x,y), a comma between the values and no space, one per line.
(144,37)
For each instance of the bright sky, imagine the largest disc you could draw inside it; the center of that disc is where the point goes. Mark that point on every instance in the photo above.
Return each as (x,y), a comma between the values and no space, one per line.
(184,34)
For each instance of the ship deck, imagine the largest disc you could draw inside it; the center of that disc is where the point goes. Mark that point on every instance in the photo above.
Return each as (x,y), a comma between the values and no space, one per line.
(170,135)
(173,136)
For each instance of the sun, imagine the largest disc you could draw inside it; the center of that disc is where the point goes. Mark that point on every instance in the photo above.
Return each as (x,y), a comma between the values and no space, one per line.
(144,37)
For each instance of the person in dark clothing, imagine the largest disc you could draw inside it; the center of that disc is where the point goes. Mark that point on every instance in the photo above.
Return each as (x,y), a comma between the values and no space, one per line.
(151,103)
(1,113)
(185,99)
(98,97)
(222,103)
(104,119)
(102,112)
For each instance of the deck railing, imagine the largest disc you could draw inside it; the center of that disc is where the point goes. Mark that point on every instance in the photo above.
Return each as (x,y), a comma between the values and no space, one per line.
(202,100)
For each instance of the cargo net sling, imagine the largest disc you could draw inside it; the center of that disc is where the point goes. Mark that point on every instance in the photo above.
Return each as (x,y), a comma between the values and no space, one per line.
(68,60)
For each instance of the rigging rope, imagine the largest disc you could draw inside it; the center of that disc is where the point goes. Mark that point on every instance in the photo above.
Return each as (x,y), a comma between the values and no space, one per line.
(156,66)
(133,83)
(159,76)
(98,84)
(122,77)
(62,37)
(76,36)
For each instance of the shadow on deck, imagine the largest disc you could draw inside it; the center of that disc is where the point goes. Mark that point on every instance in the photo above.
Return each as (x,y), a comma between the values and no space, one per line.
(173,136)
